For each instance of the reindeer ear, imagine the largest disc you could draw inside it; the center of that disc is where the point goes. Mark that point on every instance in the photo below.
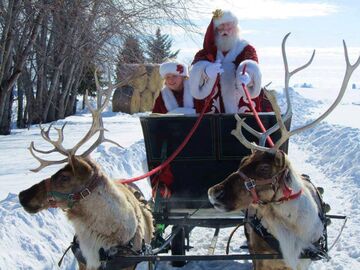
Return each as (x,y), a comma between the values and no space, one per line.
(79,167)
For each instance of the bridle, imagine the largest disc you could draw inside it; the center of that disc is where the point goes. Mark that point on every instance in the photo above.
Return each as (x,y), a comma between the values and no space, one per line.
(54,197)
(275,182)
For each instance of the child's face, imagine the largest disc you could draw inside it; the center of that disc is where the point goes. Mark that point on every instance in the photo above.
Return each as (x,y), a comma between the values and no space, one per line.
(174,82)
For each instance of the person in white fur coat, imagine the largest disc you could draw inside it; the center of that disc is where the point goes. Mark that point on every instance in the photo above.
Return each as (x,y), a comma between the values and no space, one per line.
(175,97)
(224,53)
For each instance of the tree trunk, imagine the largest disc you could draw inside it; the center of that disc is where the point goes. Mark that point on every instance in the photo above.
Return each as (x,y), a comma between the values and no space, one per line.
(52,95)
(20,123)
(5,122)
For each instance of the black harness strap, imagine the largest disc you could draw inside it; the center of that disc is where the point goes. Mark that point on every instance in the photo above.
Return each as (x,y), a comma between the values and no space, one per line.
(314,254)
(260,230)
(107,258)
(317,253)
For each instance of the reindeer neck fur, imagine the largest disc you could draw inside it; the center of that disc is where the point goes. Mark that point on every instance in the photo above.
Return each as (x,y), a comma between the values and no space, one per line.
(295,223)
(105,218)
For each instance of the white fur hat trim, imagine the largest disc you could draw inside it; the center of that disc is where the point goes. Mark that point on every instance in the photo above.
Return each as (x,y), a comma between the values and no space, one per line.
(174,68)
(227,17)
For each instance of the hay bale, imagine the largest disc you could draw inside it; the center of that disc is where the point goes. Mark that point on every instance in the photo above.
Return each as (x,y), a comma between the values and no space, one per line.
(141,79)
(146,101)
(142,89)
(138,73)
(126,99)
(155,82)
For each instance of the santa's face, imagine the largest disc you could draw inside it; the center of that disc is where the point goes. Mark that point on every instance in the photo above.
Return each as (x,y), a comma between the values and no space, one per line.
(226,29)
(226,35)
(174,82)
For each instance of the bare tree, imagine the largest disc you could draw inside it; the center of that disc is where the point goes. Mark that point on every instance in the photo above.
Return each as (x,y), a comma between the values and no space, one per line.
(19,25)
(55,42)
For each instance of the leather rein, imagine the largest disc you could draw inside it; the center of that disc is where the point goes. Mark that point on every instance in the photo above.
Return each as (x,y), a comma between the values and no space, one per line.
(275,182)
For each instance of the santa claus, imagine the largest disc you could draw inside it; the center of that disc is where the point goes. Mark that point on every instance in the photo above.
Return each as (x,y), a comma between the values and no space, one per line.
(224,53)
(175,97)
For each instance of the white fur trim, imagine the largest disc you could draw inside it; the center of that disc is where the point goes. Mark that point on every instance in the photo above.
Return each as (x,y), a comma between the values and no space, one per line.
(173,68)
(233,53)
(227,16)
(188,98)
(200,85)
(170,100)
(229,94)
(229,91)
(252,68)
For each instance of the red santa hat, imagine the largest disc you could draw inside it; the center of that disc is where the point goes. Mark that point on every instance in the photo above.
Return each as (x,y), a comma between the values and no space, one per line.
(209,47)
(174,68)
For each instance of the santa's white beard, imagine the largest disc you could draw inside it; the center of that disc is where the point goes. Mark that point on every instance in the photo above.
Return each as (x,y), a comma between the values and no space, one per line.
(226,43)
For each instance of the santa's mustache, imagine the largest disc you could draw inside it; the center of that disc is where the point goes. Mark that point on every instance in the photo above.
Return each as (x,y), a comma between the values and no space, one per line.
(225,41)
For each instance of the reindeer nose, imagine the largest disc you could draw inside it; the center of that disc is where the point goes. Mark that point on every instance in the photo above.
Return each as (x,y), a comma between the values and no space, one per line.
(217,192)
(23,198)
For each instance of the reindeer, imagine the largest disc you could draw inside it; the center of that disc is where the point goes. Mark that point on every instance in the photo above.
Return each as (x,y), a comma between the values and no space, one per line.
(106,216)
(274,194)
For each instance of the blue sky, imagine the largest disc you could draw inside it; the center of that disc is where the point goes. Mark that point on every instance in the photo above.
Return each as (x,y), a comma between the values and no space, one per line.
(313,24)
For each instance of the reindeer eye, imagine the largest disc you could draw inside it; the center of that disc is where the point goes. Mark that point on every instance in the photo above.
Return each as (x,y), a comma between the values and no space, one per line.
(64,177)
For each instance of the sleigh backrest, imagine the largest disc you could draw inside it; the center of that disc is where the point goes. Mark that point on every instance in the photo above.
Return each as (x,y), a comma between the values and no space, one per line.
(210,155)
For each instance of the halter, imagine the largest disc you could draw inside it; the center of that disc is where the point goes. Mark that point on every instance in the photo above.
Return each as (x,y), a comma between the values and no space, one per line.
(278,179)
(54,197)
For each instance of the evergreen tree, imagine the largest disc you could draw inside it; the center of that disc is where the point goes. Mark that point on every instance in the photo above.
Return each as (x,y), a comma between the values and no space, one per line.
(88,82)
(159,48)
(131,53)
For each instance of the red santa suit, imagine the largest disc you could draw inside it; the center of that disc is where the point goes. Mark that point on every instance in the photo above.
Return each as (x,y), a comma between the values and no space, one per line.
(229,96)
(170,101)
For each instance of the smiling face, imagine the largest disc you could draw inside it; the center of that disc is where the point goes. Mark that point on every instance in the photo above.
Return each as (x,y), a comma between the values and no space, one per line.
(174,82)
(226,35)
(226,29)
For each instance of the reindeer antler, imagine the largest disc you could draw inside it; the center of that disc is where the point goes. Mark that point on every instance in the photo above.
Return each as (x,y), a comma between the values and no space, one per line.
(97,126)
(288,74)
(285,134)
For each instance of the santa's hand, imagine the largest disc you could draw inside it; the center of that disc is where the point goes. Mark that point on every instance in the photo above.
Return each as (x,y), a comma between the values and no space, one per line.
(213,69)
(244,78)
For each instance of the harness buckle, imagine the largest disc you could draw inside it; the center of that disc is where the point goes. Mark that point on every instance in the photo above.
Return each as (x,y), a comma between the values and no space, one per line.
(71,197)
(250,184)
(86,192)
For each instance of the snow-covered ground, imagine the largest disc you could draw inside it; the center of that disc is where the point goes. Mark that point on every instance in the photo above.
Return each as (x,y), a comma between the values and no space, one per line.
(329,153)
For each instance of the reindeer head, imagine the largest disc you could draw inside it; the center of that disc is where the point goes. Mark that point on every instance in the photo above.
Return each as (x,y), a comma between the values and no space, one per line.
(261,174)
(62,189)
(262,170)
(80,176)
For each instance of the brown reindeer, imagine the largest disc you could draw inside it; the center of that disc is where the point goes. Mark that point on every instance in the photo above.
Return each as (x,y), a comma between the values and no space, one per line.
(106,216)
(275,195)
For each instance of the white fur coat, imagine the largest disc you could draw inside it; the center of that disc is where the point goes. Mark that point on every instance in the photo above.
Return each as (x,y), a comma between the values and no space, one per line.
(171,104)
